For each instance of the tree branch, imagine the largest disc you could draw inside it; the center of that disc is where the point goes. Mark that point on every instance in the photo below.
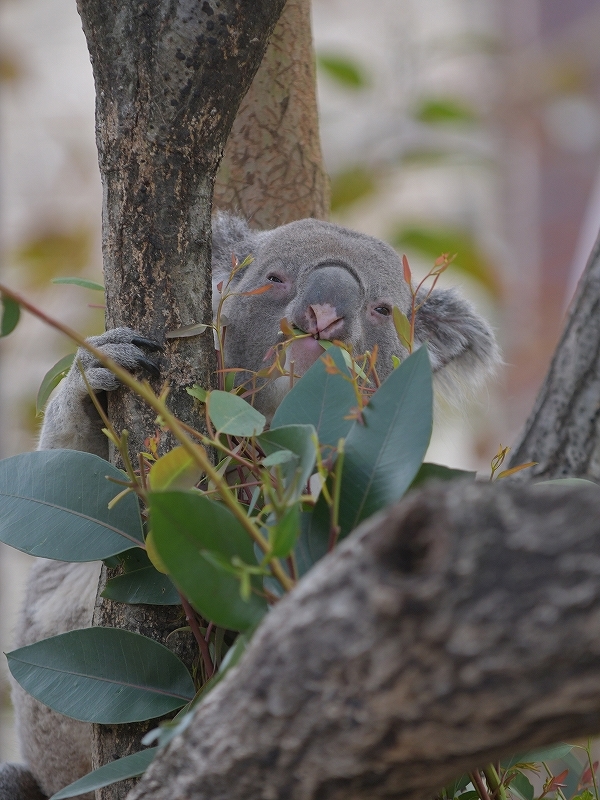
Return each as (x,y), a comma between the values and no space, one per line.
(461,626)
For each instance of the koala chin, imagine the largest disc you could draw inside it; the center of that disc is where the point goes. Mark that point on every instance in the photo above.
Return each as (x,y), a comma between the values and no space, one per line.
(327,281)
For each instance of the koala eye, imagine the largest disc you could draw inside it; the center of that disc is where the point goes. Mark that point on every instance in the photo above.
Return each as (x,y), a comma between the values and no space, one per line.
(383,310)
(274,278)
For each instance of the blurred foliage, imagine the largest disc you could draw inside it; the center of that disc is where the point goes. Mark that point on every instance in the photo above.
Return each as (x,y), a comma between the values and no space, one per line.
(11,69)
(53,253)
(352,184)
(445,111)
(430,241)
(343,70)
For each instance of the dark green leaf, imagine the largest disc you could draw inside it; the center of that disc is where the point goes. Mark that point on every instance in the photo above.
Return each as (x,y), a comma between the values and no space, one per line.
(429,472)
(452,789)
(445,111)
(192,534)
(321,400)
(343,70)
(230,414)
(546,753)
(384,454)
(51,380)
(521,787)
(314,536)
(54,504)
(299,440)
(83,282)
(141,583)
(10,311)
(285,533)
(128,767)
(104,675)
(432,241)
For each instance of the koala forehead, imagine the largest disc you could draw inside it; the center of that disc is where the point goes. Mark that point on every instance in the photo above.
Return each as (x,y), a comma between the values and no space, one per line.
(301,246)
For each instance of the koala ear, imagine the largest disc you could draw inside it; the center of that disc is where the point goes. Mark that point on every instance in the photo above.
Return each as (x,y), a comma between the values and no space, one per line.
(230,236)
(461,344)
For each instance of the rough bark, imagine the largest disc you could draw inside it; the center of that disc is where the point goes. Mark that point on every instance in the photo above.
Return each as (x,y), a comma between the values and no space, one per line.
(272,171)
(563,431)
(169,75)
(432,641)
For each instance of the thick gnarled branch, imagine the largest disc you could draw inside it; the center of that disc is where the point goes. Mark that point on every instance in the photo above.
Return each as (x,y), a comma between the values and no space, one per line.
(462,625)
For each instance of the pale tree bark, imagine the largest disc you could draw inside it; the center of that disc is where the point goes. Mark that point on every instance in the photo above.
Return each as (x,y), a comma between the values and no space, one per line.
(169,76)
(563,431)
(462,626)
(272,171)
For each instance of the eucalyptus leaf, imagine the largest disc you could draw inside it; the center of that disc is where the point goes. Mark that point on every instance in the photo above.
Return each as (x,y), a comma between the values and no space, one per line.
(320,399)
(192,535)
(284,534)
(297,439)
(10,312)
(141,582)
(104,675)
(128,767)
(232,415)
(54,504)
(521,787)
(83,282)
(429,472)
(51,380)
(384,453)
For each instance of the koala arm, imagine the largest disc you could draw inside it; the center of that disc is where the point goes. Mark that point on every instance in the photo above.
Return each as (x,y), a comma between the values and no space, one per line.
(461,344)
(71,420)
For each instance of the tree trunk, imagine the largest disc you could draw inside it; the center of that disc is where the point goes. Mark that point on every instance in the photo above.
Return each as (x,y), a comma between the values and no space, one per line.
(563,431)
(272,171)
(169,79)
(432,641)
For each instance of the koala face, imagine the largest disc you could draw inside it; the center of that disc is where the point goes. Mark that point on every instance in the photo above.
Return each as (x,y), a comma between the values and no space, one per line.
(334,283)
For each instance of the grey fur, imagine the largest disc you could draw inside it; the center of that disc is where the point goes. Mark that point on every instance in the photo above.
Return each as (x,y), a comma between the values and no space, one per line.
(348,276)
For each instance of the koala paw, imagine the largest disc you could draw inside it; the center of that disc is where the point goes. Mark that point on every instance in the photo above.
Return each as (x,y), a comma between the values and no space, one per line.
(70,419)
(124,346)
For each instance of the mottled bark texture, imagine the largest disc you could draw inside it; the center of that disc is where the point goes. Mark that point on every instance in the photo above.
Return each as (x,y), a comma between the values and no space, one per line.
(272,171)
(461,626)
(563,431)
(169,75)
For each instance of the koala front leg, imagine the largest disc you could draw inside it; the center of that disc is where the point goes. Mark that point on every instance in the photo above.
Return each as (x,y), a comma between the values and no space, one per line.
(71,420)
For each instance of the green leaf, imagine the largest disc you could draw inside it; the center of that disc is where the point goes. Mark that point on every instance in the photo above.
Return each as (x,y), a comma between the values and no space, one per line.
(321,400)
(452,789)
(546,753)
(51,380)
(9,316)
(198,392)
(141,583)
(54,504)
(445,111)
(314,536)
(343,70)
(175,470)
(230,414)
(83,282)
(191,534)
(284,534)
(402,326)
(299,440)
(429,472)
(104,675)
(566,482)
(521,787)
(384,454)
(128,767)
(431,241)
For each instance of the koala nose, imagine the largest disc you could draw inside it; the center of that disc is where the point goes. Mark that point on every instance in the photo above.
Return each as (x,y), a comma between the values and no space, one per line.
(323,320)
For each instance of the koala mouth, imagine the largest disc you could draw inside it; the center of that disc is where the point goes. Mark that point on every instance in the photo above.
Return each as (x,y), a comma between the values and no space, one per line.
(303,352)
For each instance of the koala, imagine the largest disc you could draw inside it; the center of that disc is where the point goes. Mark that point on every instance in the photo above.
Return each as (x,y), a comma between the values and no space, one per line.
(327,281)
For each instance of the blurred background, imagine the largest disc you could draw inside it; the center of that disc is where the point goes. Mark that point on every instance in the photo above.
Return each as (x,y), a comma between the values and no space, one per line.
(468,126)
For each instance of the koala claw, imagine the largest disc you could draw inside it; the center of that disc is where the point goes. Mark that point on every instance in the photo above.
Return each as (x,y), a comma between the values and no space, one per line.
(150,366)
(149,344)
